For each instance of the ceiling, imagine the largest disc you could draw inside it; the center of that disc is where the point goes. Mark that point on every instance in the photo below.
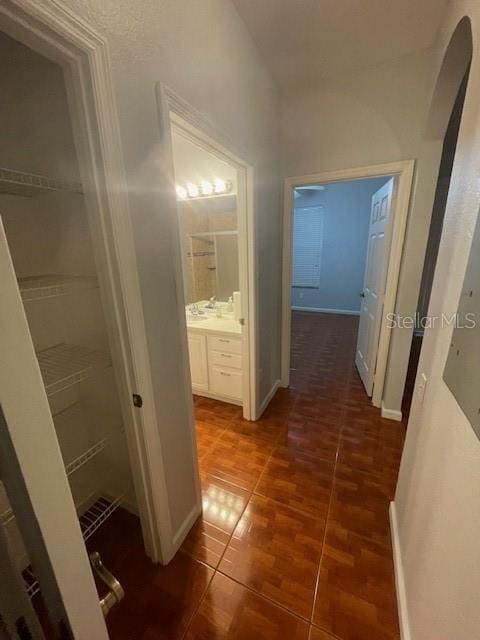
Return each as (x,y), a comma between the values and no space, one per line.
(304,42)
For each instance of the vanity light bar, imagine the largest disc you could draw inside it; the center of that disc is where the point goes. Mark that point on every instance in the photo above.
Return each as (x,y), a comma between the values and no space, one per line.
(203,189)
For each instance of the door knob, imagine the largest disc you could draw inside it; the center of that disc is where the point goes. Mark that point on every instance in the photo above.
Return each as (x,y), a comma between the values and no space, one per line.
(116,592)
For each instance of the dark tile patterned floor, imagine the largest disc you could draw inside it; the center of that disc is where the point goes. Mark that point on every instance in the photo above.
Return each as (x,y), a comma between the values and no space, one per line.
(294,541)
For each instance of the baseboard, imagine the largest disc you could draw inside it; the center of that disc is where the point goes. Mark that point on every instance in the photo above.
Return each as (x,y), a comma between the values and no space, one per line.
(399,577)
(342,312)
(184,528)
(216,396)
(391,414)
(268,398)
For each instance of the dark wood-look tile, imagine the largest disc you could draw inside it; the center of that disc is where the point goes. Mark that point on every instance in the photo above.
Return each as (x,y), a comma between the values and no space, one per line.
(222,504)
(360,504)
(263,429)
(298,479)
(159,600)
(371,454)
(275,551)
(238,459)
(319,634)
(320,448)
(207,434)
(230,611)
(319,439)
(356,594)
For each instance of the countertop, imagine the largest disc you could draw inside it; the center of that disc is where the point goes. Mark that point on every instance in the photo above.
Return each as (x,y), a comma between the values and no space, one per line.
(210,323)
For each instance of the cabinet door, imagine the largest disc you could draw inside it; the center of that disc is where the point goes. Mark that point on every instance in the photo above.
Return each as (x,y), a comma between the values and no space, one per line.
(33,474)
(197,349)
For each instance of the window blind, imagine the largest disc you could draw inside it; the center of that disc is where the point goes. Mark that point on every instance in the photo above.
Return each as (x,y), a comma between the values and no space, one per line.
(307,246)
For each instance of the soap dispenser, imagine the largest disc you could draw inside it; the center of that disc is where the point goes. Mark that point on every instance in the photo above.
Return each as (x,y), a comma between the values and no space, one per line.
(230,305)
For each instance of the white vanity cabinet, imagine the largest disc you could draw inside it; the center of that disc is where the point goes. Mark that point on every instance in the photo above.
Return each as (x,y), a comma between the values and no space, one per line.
(216,365)
(197,350)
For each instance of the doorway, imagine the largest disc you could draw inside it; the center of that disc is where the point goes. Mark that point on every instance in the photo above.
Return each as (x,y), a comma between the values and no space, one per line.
(51,239)
(217,253)
(367,271)
(422,320)
(81,455)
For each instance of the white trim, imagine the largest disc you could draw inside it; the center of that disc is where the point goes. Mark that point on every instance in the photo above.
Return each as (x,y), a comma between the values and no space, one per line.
(268,398)
(391,414)
(186,525)
(200,130)
(404,171)
(341,312)
(216,396)
(399,576)
(59,34)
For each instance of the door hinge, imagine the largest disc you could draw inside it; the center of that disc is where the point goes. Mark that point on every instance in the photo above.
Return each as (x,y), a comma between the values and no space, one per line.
(137,400)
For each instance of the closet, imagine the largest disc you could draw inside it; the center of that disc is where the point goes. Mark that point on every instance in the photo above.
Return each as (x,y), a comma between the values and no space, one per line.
(43,212)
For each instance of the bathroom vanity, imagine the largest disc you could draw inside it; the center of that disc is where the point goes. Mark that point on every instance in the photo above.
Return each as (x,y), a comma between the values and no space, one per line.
(215,350)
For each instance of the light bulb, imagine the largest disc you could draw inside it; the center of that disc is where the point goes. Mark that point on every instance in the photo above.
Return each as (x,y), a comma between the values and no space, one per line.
(207,188)
(220,185)
(192,190)
(181,192)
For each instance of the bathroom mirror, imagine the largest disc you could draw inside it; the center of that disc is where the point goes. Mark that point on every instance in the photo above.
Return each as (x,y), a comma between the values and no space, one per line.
(210,248)
(462,370)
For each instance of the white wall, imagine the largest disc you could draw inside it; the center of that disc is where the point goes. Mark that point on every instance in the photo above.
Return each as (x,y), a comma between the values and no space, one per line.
(344,247)
(36,109)
(358,119)
(437,499)
(203,51)
(365,118)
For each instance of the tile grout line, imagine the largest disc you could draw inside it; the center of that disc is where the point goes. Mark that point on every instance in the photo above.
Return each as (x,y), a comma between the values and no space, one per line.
(252,493)
(342,427)
(215,569)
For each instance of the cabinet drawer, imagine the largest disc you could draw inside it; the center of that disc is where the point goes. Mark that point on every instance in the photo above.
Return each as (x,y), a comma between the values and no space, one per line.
(227,345)
(226,382)
(222,359)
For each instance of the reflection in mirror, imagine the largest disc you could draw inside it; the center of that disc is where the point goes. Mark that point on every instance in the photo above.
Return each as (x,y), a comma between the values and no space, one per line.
(209,234)
(462,371)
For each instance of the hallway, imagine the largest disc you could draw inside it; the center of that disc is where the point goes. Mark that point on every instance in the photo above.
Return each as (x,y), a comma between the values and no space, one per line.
(295,526)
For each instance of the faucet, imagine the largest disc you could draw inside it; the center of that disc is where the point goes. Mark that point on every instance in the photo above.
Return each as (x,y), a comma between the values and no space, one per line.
(212,303)
(194,310)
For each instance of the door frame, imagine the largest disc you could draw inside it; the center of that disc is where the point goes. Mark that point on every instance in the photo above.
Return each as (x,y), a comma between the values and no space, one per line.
(60,35)
(176,112)
(402,170)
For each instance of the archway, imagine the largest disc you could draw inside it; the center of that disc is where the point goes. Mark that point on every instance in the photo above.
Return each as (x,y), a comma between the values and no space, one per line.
(433,169)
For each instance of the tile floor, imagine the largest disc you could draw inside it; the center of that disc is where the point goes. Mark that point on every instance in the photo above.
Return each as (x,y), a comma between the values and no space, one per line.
(294,541)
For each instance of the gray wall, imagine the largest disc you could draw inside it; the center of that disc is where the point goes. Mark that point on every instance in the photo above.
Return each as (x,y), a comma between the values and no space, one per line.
(345,237)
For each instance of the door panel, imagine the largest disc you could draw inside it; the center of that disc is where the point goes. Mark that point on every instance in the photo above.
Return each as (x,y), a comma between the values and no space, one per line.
(198,362)
(33,472)
(379,240)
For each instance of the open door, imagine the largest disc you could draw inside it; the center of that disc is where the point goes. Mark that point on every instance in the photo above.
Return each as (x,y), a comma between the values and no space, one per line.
(378,251)
(33,476)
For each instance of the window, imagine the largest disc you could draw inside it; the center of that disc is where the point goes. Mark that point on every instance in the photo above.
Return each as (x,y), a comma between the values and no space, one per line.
(307,246)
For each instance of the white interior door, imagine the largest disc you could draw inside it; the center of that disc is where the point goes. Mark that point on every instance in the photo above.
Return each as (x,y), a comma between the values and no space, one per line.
(33,474)
(378,251)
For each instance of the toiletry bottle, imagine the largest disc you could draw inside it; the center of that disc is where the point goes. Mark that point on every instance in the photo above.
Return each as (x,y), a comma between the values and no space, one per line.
(230,305)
